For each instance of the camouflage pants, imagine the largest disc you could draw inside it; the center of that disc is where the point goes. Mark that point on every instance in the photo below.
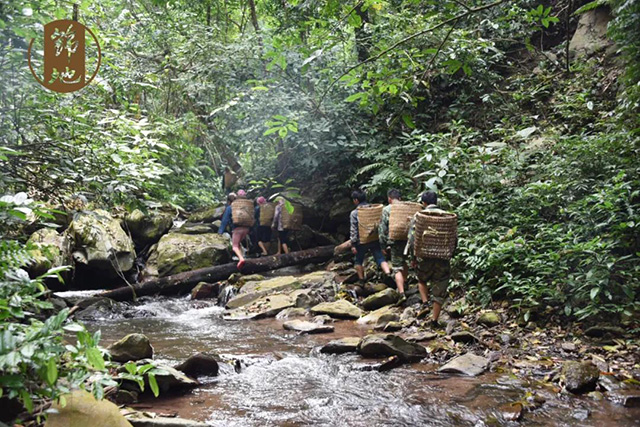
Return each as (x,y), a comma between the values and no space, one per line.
(437,272)
(397,257)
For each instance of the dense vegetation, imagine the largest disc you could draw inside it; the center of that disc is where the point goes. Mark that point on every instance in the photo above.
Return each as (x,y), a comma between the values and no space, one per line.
(536,152)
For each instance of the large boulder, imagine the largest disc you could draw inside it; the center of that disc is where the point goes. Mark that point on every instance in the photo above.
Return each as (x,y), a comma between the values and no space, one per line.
(591,34)
(251,291)
(341,309)
(147,228)
(204,290)
(468,364)
(50,249)
(580,377)
(342,345)
(131,347)
(100,245)
(384,345)
(82,409)
(200,364)
(489,319)
(185,252)
(208,214)
(380,299)
(266,306)
(381,316)
(340,210)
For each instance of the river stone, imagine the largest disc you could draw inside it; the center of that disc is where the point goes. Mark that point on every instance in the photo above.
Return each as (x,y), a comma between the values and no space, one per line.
(380,316)
(380,299)
(50,249)
(185,252)
(391,345)
(267,306)
(389,327)
(580,377)
(342,345)
(100,244)
(131,347)
(306,327)
(488,319)
(204,290)
(251,291)
(288,313)
(82,410)
(464,336)
(200,364)
(467,364)
(341,309)
(306,298)
(101,309)
(421,337)
(139,419)
(147,228)
(626,398)
(208,214)
(239,280)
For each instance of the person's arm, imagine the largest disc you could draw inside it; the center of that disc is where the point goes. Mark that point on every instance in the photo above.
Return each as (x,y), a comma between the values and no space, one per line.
(353,231)
(408,250)
(383,229)
(226,217)
(276,217)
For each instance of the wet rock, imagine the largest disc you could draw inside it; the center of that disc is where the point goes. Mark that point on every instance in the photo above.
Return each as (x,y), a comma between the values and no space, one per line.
(185,252)
(339,266)
(251,291)
(464,337)
(305,327)
(580,377)
(322,319)
(600,331)
(421,337)
(150,270)
(100,246)
(568,346)
(200,364)
(147,229)
(342,345)
(600,363)
(596,395)
(102,308)
(468,364)
(591,34)
(168,378)
(239,280)
(267,306)
(131,347)
(389,327)
(488,319)
(288,313)
(511,411)
(204,290)
(391,345)
(408,316)
(82,410)
(144,420)
(626,398)
(381,315)
(380,299)
(306,298)
(341,309)
(373,288)
(390,363)
(208,214)
(581,414)
(50,249)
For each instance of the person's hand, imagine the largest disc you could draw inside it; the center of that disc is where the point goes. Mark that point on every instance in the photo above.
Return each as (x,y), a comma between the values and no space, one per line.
(384,252)
(354,251)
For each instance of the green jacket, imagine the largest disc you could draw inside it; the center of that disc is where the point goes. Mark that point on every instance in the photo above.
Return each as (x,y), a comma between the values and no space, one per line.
(383,228)
(412,230)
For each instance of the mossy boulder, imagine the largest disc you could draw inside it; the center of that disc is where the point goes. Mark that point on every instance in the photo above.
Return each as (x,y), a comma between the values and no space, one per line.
(100,244)
(381,299)
(204,290)
(580,377)
(253,290)
(384,345)
(381,316)
(147,228)
(51,249)
(489,319)
(82,410)
(131,347)
(208,214)
(185,252)
(341,309)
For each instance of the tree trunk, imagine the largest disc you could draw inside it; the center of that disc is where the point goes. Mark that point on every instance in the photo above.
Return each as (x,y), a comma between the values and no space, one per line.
(254,15)
(184,282)
(362,39)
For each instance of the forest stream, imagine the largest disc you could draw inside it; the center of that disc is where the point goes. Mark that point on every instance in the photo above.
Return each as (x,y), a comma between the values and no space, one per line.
(284,380)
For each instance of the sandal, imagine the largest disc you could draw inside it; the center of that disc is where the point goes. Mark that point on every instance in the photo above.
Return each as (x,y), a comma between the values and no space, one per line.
(240,264)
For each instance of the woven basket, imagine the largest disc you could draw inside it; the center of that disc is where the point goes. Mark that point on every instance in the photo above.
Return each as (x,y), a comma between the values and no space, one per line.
(266,214)
(368,221)
(242,213)
(292,221)
(436,234)
(400,218)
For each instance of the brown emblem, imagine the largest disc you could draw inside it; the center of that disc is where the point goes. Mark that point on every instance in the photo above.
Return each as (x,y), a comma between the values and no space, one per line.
(64,56)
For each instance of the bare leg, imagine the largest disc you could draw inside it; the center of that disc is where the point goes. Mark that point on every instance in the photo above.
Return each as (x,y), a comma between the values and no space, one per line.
(360,271)
(436,310)
(400,282)
(238,251)
(424,292)
(405,273)
(264,248)
(385,267)
(279,248)
(286,248)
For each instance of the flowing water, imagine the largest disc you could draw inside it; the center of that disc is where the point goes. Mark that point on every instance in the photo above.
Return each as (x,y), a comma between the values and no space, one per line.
(285,381)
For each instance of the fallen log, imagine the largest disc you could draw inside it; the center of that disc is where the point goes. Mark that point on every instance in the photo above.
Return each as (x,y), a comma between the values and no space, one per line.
(183,282)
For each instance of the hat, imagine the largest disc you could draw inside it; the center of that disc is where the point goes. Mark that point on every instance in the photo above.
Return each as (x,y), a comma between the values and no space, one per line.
(261,200)
(242,193)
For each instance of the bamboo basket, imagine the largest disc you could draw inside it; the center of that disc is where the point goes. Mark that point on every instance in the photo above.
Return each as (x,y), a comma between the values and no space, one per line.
(400,218)
(242,213)
(368,221)
(292,221)
(436,234)
(267,212)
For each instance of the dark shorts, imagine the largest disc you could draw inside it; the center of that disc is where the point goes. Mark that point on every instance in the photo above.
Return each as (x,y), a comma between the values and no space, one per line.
(437,272)
(264,233)
(284,237)
(362,251)
(397,256)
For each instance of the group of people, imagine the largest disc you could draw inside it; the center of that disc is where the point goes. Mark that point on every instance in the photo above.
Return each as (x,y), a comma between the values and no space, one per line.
(401,253)
(259,234)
